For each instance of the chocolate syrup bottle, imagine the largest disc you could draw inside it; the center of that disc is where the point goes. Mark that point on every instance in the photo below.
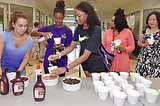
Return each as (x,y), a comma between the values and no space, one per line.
(39,89)
(4,84)
(55,62)
(18,84)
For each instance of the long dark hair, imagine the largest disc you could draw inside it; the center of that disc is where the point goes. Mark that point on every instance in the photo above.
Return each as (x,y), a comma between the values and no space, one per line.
(120,20)
(92,19)
(59,7)
(157,14)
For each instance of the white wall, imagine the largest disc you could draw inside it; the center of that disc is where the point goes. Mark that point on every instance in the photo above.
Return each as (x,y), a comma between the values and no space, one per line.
(147,4)
(43,8)
(22,2)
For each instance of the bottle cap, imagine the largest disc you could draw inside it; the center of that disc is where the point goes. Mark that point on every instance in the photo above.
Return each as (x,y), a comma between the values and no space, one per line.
(38,66)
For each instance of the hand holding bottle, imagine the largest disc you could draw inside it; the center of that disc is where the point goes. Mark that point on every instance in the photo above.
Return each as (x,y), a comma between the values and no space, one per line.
(46,36)
(59,47)
(53,57)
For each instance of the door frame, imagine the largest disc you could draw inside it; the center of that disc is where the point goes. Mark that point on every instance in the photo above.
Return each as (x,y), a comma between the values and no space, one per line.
(5,13)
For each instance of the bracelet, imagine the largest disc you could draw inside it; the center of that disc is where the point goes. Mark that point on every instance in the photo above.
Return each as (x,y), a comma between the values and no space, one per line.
(59,55)
(66,68)
(64,48)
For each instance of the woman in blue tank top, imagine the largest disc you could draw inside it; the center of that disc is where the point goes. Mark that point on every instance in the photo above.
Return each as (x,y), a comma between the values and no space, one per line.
(15,44)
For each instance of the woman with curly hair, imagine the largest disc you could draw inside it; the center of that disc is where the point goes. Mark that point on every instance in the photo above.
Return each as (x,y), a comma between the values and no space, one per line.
(119,33)
(88,33)
(148,63)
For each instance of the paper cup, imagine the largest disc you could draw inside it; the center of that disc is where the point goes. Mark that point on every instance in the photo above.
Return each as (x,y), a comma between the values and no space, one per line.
(132,96)
(126,87)
(102,92)
(95,76)
(138,78)
(117,42)
(113,74)
(51,68)
(109,82)
(113,88)
(119,98)
(124,75)
(151,95)
(133,74)
(116,78)
(57,41)
(121,82)
(141,87)
(103,74)
(151,41)
(107,78)
(11,75)
(96,84)
(147,82)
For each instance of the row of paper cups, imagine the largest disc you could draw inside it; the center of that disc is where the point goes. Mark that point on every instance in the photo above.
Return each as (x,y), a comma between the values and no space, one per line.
(102,75)
(123,83)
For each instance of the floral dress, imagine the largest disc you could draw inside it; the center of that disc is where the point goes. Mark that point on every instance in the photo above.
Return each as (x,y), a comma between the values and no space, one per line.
(148,63)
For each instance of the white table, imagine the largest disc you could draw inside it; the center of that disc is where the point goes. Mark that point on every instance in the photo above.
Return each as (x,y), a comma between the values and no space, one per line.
(57,96)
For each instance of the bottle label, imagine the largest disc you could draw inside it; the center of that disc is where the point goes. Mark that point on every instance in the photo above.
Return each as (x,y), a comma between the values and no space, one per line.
(39,92)
(18,87)
(2,86)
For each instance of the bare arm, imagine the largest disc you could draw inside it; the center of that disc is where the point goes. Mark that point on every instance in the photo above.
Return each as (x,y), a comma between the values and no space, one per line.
(25,60)
(78,61)
(36,33)
(81,59)
(64,52)
(140,41)
(1,51)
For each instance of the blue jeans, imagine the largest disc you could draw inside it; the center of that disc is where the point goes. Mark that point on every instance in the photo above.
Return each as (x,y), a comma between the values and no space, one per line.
(22,73)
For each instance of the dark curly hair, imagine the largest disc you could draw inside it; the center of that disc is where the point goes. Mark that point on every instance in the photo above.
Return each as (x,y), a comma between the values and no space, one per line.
(92,19)
(157,14)
(120,20)
(59,7)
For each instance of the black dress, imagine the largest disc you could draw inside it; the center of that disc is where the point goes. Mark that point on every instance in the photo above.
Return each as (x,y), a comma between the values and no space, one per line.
(148,63)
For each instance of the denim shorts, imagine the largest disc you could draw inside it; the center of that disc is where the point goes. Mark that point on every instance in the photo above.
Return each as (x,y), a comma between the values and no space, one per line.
(22,73)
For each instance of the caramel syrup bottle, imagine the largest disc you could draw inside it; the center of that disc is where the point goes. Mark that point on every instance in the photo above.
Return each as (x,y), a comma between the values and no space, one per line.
(39,89)
(18,84)
(55,62)
(4,84)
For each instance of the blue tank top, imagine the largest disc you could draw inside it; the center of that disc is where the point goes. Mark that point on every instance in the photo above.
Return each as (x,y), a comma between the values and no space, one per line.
(13,56)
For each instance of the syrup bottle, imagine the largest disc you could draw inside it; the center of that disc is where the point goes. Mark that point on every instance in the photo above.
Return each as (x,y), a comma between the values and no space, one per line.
(4,84)
(54,62)
(18,84)
(39,89)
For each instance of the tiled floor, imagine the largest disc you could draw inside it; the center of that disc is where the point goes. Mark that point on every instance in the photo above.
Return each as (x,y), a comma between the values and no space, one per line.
(73,72)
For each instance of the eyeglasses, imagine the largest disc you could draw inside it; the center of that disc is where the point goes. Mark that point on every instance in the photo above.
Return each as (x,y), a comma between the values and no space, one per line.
(111,20)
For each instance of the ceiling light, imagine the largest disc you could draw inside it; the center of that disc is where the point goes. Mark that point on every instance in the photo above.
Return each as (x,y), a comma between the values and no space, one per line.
(69,8)
(70,15)
(92,0)
(96,9)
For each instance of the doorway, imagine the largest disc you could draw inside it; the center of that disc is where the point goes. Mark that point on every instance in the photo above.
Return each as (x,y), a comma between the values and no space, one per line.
(3,17)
